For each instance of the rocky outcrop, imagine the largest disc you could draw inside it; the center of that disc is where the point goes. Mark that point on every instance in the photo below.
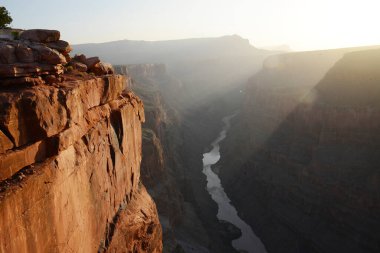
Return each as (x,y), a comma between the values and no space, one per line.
(70,155)
(38,56)
(306,177)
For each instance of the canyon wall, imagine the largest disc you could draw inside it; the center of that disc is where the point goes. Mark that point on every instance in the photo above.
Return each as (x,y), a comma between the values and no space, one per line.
(70,154)
(171,166)
(301,161)
(158,160)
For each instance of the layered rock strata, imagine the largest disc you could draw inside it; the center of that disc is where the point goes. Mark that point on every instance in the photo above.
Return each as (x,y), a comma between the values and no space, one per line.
(70,157)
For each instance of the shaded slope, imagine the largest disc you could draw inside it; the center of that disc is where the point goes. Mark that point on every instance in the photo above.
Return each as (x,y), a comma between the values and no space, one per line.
(307,179)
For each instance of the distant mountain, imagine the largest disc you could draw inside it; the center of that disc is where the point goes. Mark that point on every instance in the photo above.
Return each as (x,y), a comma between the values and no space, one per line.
(206,67)
(170,51)
(279,48)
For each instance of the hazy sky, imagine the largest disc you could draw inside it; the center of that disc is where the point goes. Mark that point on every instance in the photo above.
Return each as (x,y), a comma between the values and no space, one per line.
(301,24)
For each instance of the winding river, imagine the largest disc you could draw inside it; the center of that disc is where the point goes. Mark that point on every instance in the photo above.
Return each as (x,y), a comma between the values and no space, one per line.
(248,242)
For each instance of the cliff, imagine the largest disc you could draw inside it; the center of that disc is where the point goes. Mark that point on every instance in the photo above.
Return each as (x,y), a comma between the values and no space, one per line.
(307,179)
(70,154)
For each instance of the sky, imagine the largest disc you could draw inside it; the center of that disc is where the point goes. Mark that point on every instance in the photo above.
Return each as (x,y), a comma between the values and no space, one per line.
(300,24)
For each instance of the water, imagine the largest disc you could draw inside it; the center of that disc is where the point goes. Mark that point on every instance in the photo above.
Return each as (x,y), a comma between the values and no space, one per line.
(248,242)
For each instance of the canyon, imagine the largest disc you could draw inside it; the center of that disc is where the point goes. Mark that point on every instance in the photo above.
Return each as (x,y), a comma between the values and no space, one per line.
(166,172)
(80,139)
(185,100)
(294,162)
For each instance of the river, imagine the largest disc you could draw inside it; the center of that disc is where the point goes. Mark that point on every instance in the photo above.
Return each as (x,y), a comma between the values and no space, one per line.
(248,242)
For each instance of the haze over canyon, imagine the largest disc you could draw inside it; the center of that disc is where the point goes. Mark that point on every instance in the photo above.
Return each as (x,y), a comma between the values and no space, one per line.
(201,145)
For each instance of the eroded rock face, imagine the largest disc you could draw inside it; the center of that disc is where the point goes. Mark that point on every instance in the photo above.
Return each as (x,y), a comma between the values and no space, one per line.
(137,226)
(70,157)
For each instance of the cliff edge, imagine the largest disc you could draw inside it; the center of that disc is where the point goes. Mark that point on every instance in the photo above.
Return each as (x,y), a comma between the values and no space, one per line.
(70,153)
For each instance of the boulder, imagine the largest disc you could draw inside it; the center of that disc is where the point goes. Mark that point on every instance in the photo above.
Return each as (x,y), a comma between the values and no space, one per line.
(102,68)
(60,45)
(80,58)
(40,35)
(81,67)
(90,62)
(48,55)
(24,53)
(7,53)
(108,67)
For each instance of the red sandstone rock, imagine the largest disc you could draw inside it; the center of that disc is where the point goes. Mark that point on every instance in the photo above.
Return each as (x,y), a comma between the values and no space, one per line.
(102,68)
(108,67)
(7,53)
(70,154)
(5,143)
(13,161)
(94,65)
(48,55)
(89,62)
(40,35)
(39,112)
(137,227)
(78,66)
(80,58)
(60,45)
(77,166)
(52,79)
(21,81)
(24,53)
(29,69)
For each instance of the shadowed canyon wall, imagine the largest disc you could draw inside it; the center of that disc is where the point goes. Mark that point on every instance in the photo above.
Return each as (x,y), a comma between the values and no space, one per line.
(301,160)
